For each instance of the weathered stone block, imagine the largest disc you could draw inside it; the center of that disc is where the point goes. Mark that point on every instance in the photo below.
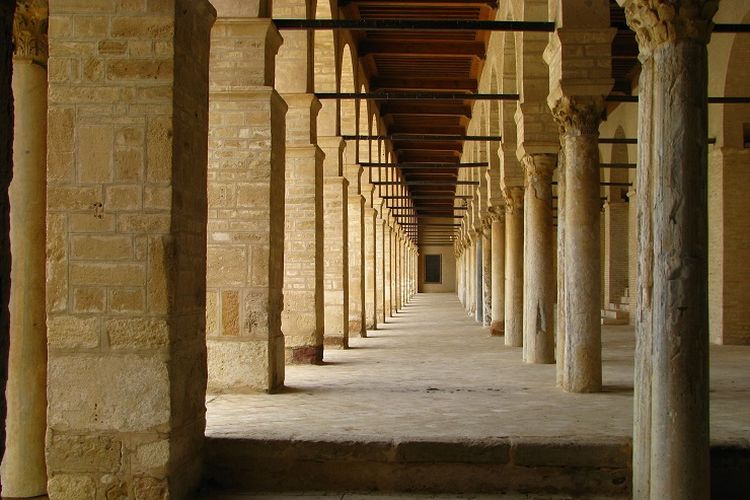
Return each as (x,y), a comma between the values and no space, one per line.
(71,453)
(71,332)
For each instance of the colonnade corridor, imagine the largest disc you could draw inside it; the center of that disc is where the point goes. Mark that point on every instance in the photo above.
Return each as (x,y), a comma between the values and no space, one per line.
(430,402)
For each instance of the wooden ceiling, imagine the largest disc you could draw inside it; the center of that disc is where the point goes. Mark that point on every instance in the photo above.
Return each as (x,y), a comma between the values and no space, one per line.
(450,61)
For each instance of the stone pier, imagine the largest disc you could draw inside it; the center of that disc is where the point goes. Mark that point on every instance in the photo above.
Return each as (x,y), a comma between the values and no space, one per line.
(126,245)
(335,256)
(370,218)
(356,244)
(497,327)
(245,209)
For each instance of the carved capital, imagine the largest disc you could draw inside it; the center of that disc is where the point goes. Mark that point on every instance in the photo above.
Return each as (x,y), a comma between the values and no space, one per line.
(659,21)
(513,200)
(539,168)
(30,31)
(579,115)
(497,213)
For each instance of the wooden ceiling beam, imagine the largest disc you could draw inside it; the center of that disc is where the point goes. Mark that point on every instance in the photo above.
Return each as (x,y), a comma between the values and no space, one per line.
(425,48)
(426,109)
(428,3)
(455,84)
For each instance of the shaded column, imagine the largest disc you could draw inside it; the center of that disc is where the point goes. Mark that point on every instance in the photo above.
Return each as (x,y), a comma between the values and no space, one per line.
(336,249)
(24,472)
(356,243)
(379,268)
(497,326)
(487,272)
(672,325)
(245,211)
(126,245)
(514,267)
(302,318)
(580,118)
(538,266)
(388,267)
(560,325)
(370,218)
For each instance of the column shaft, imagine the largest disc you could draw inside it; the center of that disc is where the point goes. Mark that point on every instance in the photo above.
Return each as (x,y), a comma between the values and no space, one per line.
(538,266)
(24,472)
(680,434)
(379,270)
(498,275)
(514,268)
(371,289)
(487,275)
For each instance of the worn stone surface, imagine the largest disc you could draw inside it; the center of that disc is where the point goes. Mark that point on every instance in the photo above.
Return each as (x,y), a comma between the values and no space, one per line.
(23,470)
(143,126)
(246,193)
(538,286)
(514,267)
(497,327)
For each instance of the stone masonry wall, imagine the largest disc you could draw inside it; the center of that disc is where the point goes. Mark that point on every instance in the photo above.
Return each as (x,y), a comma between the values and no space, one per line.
(126,216)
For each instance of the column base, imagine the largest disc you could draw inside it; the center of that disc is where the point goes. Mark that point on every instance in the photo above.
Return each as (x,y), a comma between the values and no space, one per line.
(497,329)
(355,328)
(304,355)
(336,342)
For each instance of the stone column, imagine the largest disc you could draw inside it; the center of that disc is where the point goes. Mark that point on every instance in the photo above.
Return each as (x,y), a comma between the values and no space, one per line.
(671,435)
(560,326)
(380,268)
(336,249)
(487,272)
(356,242)
(245,210)
(538,265)
(514,267)
(632,253)
(615,251)
(126,243)
(371,321)
(24,472)
(580,118)
(388,268)
(497,327)
(303,313)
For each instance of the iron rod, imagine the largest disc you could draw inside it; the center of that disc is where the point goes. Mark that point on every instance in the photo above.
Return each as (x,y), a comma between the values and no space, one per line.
(417,96)
(413,25)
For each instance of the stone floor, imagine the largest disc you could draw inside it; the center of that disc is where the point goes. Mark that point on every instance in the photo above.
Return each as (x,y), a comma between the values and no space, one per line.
(430,403)
(433,373)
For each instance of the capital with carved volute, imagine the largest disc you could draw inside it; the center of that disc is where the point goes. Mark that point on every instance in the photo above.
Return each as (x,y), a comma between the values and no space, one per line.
(579,115)
(513,200)
(539,169)
(660,21)
(30,31)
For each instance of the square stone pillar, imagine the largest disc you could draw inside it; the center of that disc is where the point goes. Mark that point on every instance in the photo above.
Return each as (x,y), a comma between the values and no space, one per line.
(302,320)
(387,269)
(370,218)
(356,242)
(336,250)
(246,210)
(379,268)
(126,248)
(615,252)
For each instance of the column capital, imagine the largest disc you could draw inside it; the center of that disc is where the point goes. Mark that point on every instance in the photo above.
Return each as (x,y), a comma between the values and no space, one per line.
(30,31)
(660,21)
(513,200)
(538,169)
(497,213)
(579,115)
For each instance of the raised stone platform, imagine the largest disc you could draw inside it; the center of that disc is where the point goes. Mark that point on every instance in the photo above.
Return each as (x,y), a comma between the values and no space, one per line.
(432,403)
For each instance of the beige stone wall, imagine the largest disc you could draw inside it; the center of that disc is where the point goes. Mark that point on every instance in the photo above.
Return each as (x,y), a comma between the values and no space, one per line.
(448,271)
(126,251)
(246,210)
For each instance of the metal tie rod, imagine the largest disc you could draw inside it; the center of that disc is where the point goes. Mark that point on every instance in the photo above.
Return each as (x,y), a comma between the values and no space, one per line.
(424,137)
(710,100)
(417,96)
(413,25)
(431,165)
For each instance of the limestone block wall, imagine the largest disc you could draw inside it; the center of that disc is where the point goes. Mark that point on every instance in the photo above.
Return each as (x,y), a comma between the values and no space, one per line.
(246,188)
(615,251)
(448,260)
(336,261)
(370,265)
(126,253)
(729,246)
(379,269)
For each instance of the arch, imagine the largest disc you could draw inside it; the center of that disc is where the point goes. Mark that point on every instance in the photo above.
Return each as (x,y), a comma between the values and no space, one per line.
(295,56)
(324,71)
(735,129)
(347,109)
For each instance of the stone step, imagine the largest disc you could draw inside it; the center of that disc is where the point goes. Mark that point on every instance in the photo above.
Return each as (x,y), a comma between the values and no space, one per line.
(615,314)
(529,465)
